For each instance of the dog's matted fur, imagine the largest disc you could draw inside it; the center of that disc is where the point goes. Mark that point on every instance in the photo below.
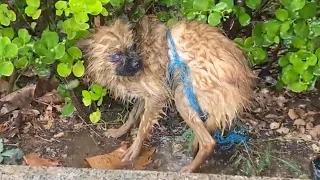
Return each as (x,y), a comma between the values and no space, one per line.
(221,79)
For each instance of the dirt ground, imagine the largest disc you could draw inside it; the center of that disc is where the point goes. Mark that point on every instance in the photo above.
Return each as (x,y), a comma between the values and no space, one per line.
(285,123)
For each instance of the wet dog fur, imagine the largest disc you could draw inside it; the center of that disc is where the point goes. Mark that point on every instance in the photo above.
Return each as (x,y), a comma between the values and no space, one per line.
(133,66)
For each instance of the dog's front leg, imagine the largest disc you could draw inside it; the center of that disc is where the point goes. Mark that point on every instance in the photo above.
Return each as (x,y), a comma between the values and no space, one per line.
(153,108)
(134,116)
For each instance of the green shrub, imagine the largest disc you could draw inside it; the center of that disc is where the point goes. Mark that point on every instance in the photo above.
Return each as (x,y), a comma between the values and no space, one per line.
(291,29)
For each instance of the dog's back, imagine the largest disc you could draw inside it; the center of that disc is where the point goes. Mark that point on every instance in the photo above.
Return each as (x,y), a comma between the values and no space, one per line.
(221,78)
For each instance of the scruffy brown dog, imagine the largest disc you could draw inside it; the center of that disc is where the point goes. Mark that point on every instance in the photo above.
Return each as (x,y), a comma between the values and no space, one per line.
(134,65)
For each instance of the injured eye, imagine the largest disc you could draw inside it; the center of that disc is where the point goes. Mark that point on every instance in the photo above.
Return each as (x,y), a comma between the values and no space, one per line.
(116,56)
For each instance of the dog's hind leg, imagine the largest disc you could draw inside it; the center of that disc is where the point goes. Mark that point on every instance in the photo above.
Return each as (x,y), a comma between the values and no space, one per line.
(134,117)
(202,136)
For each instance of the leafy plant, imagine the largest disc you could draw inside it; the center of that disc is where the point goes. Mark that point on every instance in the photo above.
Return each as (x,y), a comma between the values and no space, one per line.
(295,29)
(96,93)
(10,156)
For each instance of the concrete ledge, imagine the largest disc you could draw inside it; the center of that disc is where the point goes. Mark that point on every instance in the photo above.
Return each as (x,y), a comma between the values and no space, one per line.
(63,173)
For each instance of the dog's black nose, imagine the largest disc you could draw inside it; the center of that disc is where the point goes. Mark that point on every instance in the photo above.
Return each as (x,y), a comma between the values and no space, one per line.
(136,63)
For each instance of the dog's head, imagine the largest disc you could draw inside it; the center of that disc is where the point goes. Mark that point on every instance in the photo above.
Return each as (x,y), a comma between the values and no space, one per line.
(111,52)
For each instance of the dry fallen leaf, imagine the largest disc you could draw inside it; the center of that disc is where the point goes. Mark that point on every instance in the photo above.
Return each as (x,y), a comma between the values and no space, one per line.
(299,122)
(315,132)
(48,118)
(315,148)
(274,125)
(113,160)
(271,116)
(292,114)
(51,98)
(283,130)
(4,127)
(33,159)
(300,112)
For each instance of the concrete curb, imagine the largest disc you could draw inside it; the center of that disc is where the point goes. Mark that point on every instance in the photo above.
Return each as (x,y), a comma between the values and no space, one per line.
(64,173)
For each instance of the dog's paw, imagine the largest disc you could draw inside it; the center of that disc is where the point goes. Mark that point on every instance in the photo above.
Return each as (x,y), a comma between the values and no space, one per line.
(115,133)
(132,152)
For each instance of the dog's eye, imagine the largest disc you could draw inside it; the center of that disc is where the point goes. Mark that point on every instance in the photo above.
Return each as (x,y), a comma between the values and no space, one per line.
(116,56)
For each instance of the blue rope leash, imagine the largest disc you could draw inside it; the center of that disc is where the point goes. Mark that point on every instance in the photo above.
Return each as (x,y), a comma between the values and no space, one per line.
(224,142)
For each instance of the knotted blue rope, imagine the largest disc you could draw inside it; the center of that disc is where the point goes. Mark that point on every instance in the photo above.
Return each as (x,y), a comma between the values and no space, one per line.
(231,138)
(183,70)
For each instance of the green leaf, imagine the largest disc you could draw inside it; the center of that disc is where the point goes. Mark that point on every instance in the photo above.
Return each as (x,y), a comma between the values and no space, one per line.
(75,52)
(289,75)
(63,70)
(309,10)
(5,21)
(61,5)
(11,15)
(11,50)
(307,76)
(78,69)
(50,39)
(286,3)
(33,3)
(13,153)
(214,18)
(282,14)
(298,87)
(298,42)
(21,62)
(95,116)
(284,30)
(37,14)
(59,51)
(312,60)
(297,4)
(259,54)
(104,12)
(283,61)
(40,48)
(7,32)
(104,1)
(86,94)
(6,68)
(95,7)
(272,27)
(29,10)
(96,89)
(191,15)
(100,102)
(253,4)
(24,35)
(86,101)
(244,19)
(229,3)
(1,158)
(201,5)
(81,17)
(301,28)
(317,53)
(220,6)
(171,22)
(239,41)
(67,109)
(249,42)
